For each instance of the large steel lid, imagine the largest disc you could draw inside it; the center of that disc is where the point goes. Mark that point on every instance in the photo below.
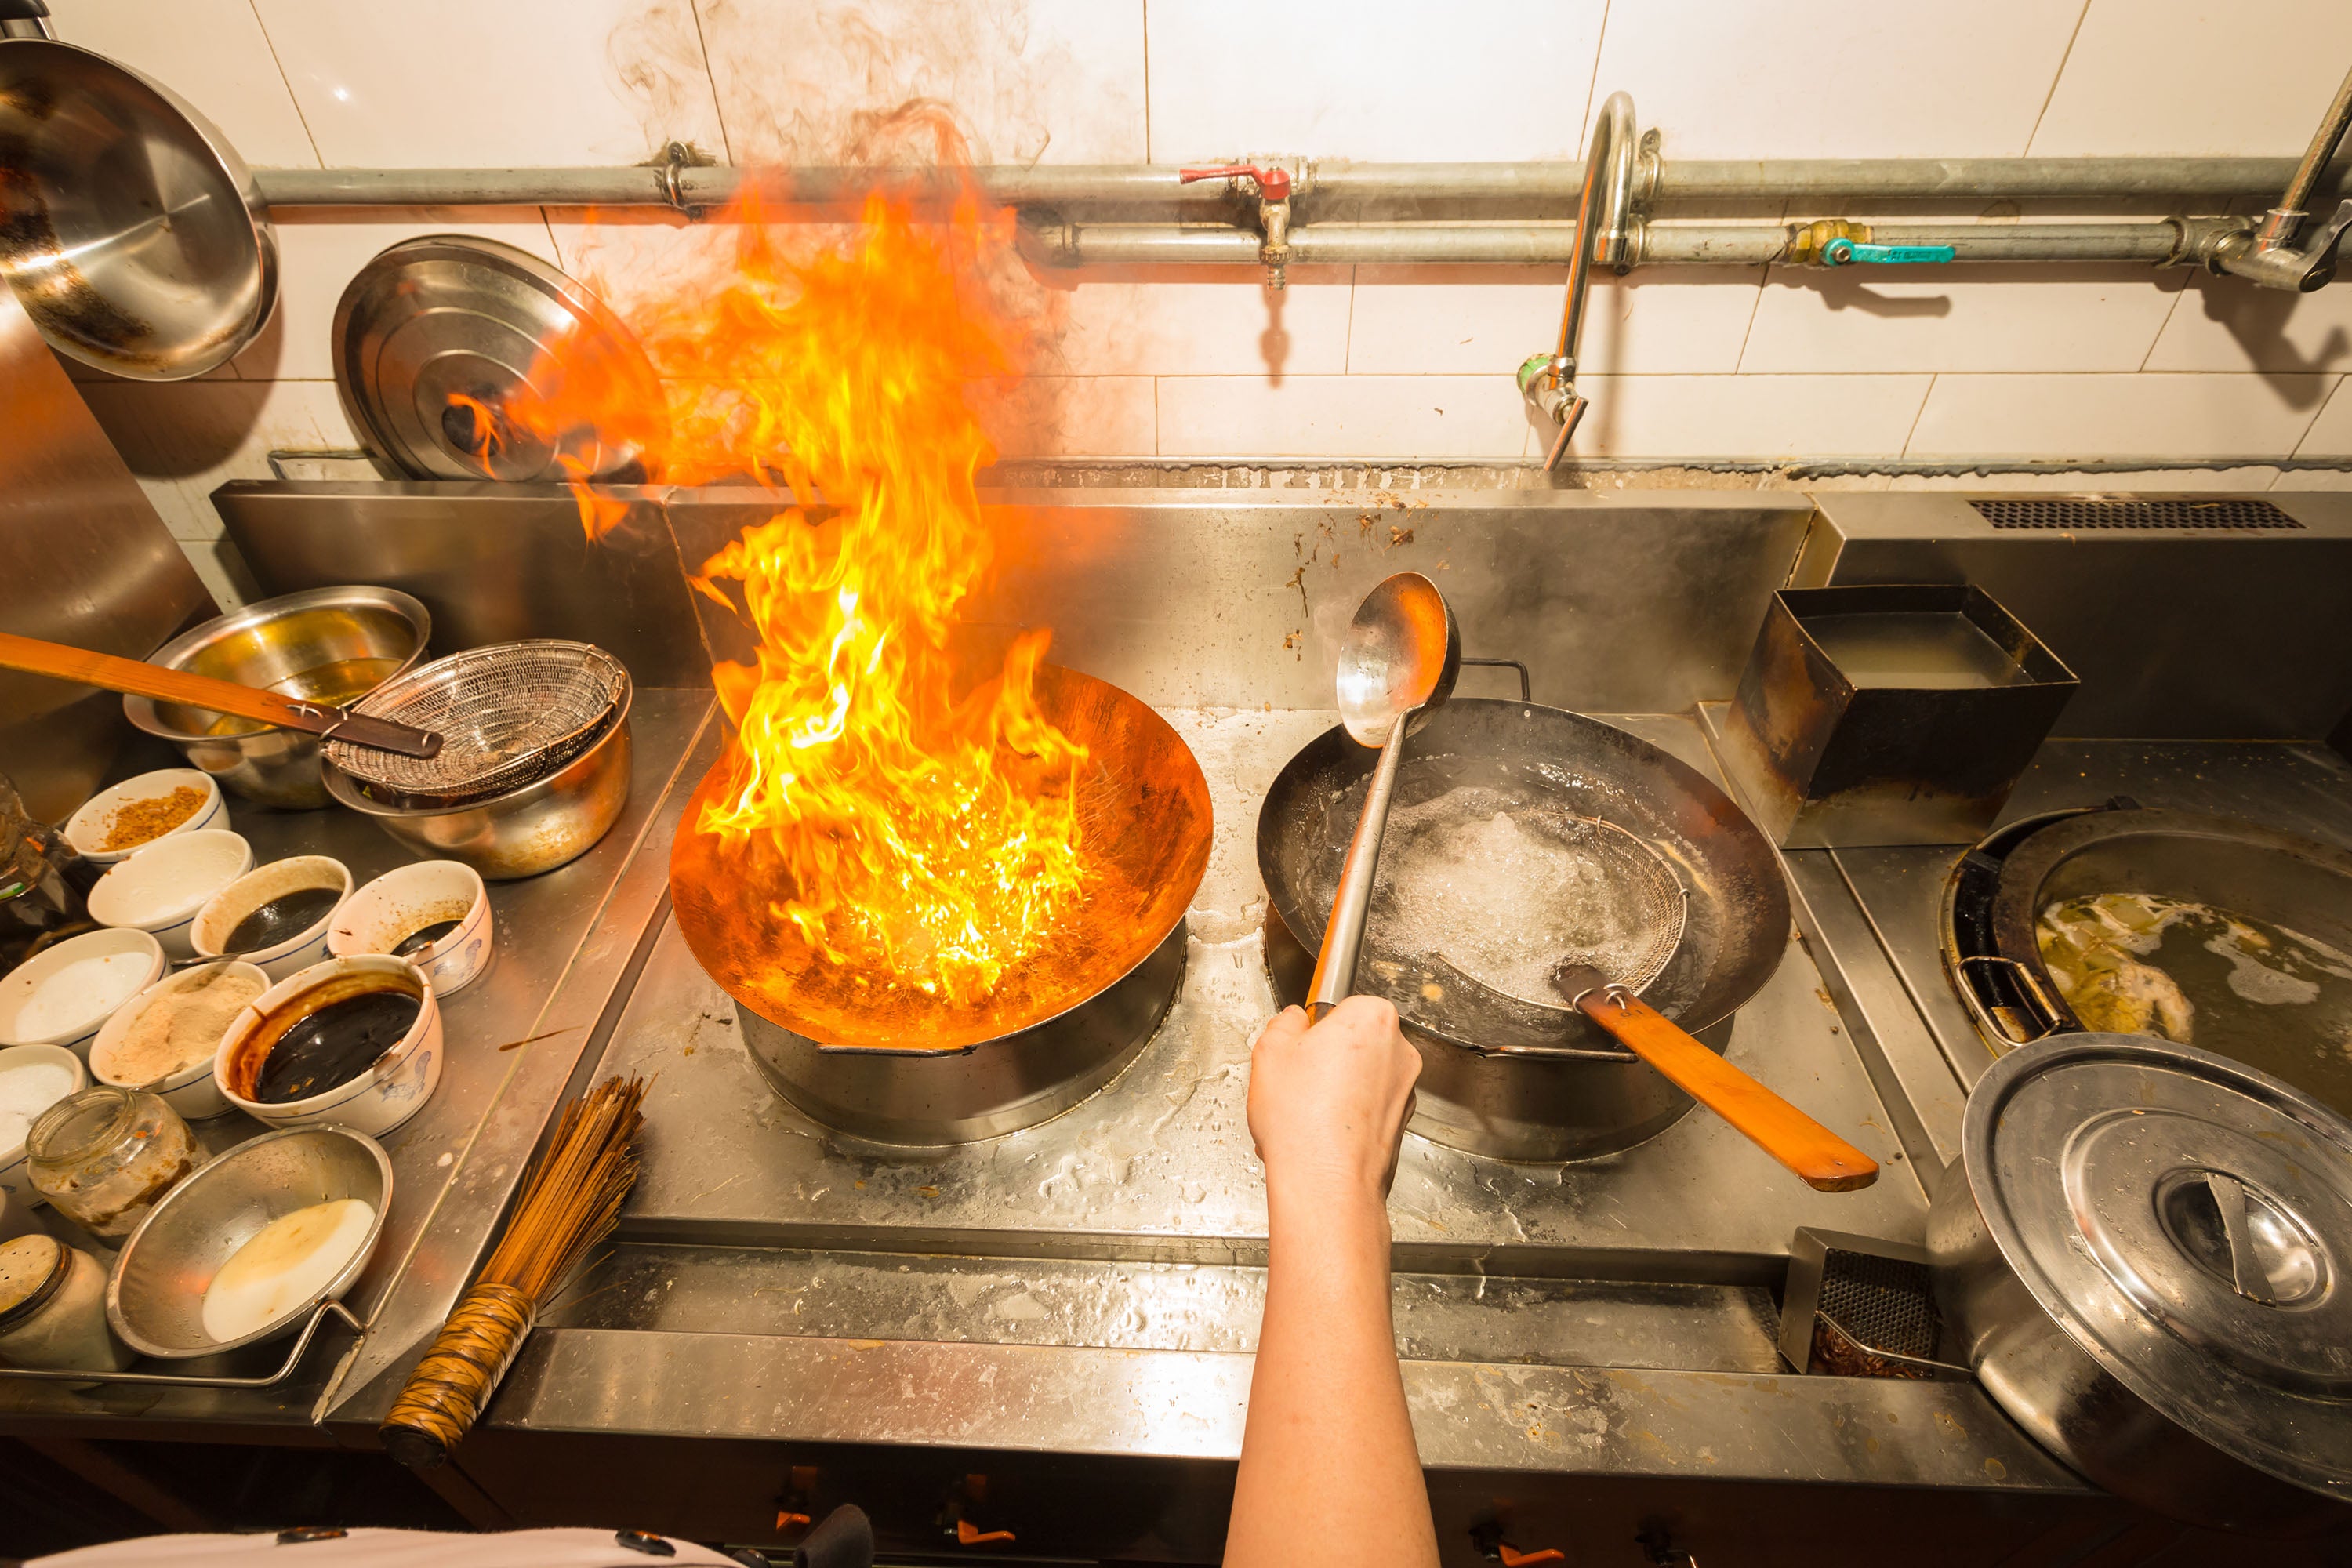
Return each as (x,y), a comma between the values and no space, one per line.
(435,336)
(2188,1222)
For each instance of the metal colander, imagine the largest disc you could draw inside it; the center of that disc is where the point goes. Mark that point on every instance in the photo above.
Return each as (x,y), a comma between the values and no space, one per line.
(508,715)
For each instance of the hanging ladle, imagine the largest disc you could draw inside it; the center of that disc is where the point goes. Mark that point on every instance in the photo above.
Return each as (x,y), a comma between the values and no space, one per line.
(1396,666)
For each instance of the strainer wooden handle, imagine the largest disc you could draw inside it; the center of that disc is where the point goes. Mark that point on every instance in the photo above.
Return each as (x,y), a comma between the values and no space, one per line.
(109,673)
(1827,1162)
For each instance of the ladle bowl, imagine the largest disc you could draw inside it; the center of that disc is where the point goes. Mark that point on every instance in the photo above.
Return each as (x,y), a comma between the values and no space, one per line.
(1396,666)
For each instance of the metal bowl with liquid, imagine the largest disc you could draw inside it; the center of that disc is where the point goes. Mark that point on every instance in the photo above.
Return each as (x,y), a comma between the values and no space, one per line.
(332,645)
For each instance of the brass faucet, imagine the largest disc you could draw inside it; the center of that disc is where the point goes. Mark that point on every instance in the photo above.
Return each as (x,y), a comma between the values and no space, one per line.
(1605,221)
(2269,256)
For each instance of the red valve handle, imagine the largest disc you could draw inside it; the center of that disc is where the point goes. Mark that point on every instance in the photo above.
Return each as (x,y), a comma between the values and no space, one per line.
(1274,184)
(1515,1559)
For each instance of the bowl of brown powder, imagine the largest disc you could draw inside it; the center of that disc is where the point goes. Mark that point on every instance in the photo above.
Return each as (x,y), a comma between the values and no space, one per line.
(164,1038)
(138,811)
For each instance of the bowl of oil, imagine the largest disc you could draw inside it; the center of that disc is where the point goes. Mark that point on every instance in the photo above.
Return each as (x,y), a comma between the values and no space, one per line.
(277,916)
(247,1247)
(327,645)
(354,1042)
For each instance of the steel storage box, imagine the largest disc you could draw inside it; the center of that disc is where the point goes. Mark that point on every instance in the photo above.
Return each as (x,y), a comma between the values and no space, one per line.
(1915,734)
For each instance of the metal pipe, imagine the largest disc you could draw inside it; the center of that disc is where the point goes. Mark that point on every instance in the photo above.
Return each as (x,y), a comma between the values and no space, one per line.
(2324,142)
(2271,256)
(2159,242)
(1332,185)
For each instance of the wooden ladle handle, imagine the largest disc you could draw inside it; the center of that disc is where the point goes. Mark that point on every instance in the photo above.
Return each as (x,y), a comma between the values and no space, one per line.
(1827,1162)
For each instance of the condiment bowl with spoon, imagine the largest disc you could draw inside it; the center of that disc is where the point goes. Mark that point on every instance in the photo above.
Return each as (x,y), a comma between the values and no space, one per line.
(277,916)
(434,913)
(353,1041)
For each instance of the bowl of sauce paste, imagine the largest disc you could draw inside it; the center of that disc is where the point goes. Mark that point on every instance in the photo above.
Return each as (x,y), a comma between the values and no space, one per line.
(356,1042)
(276,916)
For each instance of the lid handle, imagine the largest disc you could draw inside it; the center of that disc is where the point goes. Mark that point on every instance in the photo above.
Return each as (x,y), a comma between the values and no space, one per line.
(2249,1275)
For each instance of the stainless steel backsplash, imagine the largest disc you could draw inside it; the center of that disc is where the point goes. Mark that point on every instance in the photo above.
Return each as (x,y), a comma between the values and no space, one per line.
(1621,602)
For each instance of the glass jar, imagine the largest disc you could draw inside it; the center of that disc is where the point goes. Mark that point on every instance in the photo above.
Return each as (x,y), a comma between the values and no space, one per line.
(53,1307)
(107,1155)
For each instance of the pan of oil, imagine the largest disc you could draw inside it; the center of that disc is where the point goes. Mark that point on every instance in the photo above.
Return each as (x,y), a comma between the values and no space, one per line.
(1493,872)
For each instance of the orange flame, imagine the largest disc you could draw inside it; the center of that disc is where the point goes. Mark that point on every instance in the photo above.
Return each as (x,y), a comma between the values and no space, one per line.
(926,834)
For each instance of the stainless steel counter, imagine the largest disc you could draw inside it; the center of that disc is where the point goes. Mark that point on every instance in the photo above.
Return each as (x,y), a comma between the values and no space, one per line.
(564,942)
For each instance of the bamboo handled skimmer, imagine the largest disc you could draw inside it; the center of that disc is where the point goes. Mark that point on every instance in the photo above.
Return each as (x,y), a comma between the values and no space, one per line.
(1826,1161)
(1645,898)
(141,680)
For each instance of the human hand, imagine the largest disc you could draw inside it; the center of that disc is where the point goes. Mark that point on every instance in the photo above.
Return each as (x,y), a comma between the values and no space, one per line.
(1328,1104)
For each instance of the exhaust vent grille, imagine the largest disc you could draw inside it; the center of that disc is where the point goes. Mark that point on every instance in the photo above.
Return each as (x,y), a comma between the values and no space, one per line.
(2077,513)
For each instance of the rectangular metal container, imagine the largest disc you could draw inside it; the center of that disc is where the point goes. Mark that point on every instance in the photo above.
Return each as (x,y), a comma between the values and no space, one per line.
(1829,756)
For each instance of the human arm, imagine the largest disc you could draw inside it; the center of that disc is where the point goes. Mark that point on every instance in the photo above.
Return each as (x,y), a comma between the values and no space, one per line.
(1328,1470)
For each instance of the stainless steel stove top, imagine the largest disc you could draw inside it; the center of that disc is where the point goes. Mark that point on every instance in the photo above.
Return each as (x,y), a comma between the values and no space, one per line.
(1876,915)
(1158,1168)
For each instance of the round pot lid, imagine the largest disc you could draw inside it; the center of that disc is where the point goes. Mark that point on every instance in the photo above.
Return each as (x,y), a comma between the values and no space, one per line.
(2188,1221)
(435,337)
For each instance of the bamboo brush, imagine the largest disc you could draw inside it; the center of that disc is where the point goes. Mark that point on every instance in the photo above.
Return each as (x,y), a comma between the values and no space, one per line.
(570,1201)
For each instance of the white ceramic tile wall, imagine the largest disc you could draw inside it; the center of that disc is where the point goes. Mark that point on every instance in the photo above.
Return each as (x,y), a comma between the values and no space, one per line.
(1682,364)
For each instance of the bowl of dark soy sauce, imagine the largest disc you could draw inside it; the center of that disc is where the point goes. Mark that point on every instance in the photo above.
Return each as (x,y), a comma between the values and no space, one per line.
(434,913)
(352,1041)
(277,916)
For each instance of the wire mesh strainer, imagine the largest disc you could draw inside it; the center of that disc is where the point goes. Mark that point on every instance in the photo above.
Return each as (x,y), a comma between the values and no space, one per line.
(1506,889)
(1647,898)
(509,715)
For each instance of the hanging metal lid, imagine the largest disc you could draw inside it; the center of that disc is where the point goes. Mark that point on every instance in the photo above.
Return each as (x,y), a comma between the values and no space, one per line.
(436,335)
(2188,1221)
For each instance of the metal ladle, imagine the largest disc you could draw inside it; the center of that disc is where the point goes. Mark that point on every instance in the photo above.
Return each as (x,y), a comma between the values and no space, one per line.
(1396,666)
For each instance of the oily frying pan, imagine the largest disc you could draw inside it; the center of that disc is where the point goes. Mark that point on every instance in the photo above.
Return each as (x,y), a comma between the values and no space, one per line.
(1734,927)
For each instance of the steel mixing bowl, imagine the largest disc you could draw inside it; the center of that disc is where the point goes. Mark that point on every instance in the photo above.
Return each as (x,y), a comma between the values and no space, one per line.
(330,644)
(131,230)
(155,1298)
(524,831)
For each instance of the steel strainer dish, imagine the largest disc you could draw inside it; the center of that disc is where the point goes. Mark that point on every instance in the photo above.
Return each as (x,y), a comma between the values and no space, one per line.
(509,714)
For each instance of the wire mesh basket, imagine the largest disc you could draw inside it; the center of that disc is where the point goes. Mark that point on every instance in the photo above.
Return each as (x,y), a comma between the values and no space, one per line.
(508,715)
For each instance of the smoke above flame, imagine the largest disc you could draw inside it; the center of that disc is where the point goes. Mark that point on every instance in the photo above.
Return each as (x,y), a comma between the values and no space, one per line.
(900,819)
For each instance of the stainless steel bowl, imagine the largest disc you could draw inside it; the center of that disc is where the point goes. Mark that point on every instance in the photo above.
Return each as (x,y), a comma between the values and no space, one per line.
(523,831)
(332,644)
(129,226)
(155,1298)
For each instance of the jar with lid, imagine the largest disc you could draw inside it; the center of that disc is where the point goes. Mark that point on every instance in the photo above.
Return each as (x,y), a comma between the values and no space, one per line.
(107,1155)
(53,1307)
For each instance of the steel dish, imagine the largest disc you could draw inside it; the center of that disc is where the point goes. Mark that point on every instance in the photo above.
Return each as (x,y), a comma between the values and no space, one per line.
(129,226)
(298,645)
(523,831)
(155,1298)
